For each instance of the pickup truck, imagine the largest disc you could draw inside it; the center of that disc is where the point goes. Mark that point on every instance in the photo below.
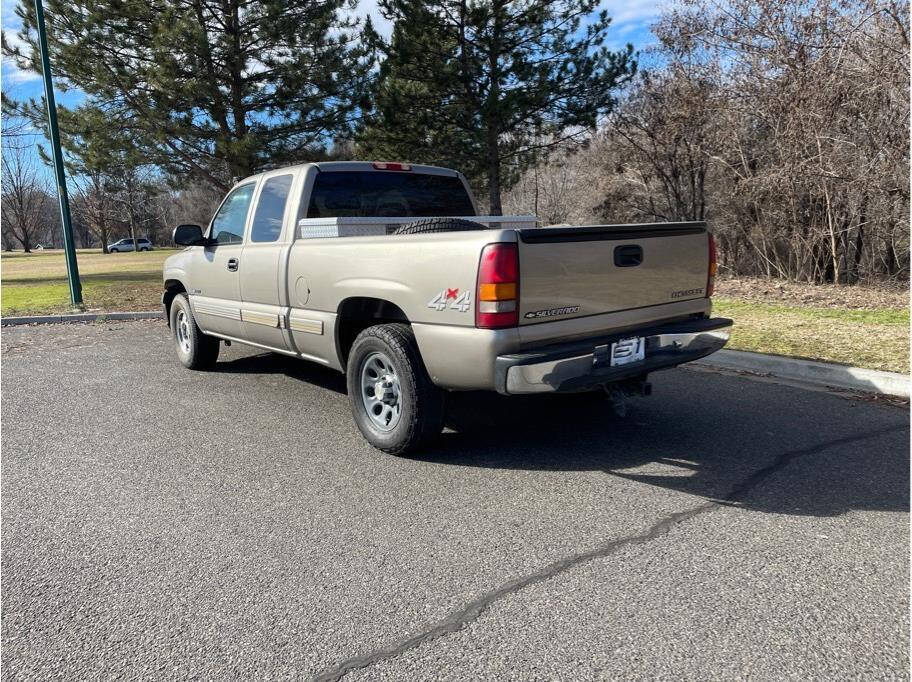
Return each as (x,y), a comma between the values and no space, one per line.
(385,271)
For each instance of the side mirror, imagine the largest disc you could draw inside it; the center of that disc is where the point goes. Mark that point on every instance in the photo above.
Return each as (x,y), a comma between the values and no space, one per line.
(189,235)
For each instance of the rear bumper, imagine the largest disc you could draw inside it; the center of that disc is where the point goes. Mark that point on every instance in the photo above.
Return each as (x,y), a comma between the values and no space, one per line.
(582,365)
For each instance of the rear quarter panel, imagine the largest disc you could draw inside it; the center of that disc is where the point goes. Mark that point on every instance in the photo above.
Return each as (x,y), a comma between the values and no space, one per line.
(411,271)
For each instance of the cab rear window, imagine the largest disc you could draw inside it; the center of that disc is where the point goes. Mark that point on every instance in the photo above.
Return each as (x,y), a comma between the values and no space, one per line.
(361,194)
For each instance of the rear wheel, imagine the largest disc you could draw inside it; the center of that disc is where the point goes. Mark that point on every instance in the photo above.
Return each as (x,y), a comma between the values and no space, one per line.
(195,350)
(394,402)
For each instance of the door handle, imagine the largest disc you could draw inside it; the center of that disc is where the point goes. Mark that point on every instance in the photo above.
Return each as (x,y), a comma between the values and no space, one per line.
(233,264)
(628,256)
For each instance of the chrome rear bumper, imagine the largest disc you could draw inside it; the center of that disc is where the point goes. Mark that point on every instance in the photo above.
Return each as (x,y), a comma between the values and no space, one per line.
(582,365)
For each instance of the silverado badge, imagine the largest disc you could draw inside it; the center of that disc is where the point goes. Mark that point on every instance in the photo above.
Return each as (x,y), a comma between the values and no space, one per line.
(551,312)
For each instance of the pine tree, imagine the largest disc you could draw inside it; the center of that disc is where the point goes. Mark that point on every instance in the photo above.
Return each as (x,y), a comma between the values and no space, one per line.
(483,84)
(214,89)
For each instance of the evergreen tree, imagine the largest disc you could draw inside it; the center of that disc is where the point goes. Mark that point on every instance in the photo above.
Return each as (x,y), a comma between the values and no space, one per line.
(483,84)
(213,89)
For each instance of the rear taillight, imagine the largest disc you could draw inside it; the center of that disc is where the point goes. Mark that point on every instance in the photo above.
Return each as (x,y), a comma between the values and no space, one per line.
(498,287)
(713,266)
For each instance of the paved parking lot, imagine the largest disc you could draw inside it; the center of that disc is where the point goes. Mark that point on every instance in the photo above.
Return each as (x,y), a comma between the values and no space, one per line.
(233,524)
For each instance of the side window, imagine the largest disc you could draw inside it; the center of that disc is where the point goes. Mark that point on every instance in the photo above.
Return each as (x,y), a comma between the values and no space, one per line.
(267,219)
(228,223)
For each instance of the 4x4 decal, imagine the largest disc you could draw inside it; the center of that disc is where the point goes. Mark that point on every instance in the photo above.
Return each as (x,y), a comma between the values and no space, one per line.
(461,302)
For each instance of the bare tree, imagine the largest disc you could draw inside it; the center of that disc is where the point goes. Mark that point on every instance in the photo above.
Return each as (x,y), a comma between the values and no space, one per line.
(668,132)
(191,203)
(562,189)
(784,122)
(92,207)
(131,197)
(24,195)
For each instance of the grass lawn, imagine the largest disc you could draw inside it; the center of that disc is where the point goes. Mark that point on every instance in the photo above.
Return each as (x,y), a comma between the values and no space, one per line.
(35,283)
(876,339)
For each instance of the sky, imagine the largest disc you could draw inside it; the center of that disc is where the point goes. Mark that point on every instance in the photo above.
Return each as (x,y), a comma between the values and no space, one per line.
(630,23)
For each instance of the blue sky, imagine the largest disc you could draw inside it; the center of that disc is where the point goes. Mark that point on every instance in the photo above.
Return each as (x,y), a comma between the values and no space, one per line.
(631,20)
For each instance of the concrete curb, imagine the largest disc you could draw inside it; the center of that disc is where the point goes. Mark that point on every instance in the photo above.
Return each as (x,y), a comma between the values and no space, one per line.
(80,317)
(811,372)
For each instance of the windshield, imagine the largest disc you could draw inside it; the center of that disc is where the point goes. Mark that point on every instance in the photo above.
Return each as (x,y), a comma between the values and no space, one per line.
(361,194)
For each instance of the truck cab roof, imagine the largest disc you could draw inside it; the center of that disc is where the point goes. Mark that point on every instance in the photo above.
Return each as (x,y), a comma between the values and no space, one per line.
(336,166)
(362,166)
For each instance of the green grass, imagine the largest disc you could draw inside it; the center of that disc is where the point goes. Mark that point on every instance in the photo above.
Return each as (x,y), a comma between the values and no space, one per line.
(877,339)
(36,283)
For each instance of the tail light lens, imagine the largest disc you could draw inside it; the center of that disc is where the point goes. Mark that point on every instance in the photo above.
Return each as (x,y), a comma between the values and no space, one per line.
(498,287)
(713,266)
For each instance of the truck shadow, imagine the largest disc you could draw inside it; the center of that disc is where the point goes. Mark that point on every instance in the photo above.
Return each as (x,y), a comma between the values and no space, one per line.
(701,434)
(744,451)
(274,363)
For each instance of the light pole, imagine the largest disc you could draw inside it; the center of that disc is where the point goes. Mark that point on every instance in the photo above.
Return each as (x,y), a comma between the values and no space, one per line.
(69,245)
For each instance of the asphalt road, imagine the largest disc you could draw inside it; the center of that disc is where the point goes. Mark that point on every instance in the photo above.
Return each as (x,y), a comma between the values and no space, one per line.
(161,523)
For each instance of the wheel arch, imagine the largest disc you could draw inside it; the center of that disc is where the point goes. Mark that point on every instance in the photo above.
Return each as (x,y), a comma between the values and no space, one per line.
(357,313)
(173,287)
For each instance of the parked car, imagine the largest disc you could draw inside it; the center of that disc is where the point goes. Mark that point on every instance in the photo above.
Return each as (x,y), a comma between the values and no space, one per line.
(385,272)
(127,245)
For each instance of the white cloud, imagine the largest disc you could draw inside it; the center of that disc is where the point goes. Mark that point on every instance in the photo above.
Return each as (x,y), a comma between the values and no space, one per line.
(11,74)
(369,8)
(7,13)
(631,21)
(636,12)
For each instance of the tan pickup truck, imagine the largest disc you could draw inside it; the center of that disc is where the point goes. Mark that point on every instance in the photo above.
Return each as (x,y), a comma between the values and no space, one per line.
(385,272)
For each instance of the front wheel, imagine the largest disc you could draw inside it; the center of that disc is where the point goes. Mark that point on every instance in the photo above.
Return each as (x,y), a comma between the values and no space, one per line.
(112,250)
(195,350)
(394,402)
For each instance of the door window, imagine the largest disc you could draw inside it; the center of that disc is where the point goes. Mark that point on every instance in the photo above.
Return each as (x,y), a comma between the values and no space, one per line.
(228,224)
(270,210)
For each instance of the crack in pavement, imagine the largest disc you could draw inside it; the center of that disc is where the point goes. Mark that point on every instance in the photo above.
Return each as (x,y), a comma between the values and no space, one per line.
(458,620)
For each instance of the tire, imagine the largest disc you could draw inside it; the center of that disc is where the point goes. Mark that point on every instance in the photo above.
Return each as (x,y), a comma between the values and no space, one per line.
(421,405)
(195,350)
(113,251)
(429,225)
(143,249)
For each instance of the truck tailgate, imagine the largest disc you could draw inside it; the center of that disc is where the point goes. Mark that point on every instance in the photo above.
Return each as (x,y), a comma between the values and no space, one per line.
(570,272)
